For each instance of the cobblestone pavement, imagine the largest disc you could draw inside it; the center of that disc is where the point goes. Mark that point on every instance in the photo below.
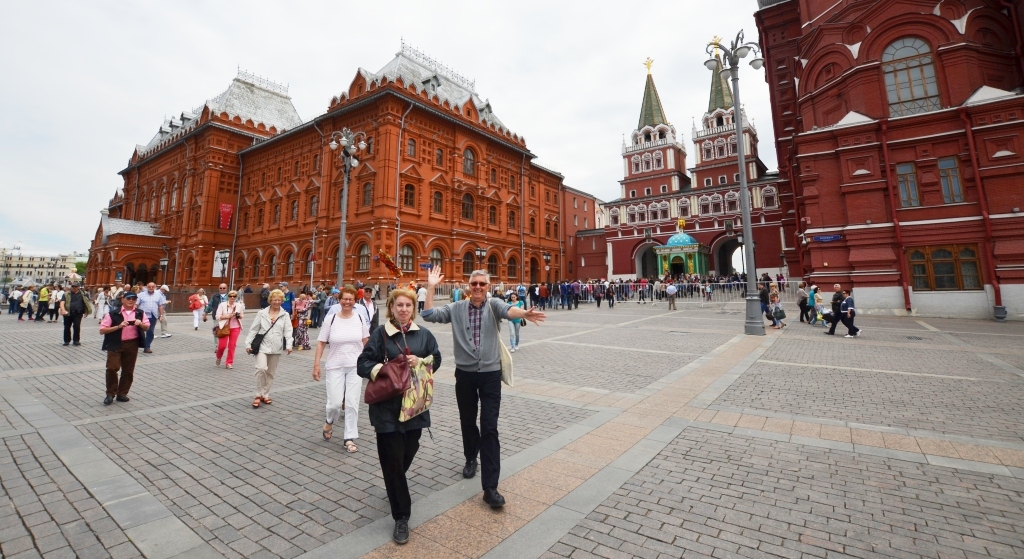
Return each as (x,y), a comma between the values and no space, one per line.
(631,432)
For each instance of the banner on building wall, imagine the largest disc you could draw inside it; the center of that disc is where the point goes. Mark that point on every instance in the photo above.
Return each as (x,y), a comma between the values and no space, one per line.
(226,211)
(221,260)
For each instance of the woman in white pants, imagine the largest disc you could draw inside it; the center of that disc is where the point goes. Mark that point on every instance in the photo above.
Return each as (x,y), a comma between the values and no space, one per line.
(196,303)
(347,333)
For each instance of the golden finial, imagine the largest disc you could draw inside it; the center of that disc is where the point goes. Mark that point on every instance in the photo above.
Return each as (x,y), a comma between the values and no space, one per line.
(681,224)
(648,64)
(716,40)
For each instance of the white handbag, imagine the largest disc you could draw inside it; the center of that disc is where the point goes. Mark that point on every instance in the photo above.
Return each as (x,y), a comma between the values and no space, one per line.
(506,355)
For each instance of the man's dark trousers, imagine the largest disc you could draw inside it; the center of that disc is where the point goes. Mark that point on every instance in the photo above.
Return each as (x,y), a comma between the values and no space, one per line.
(152,329)
(485,388)
(835,318)
(73,320)
(43,307)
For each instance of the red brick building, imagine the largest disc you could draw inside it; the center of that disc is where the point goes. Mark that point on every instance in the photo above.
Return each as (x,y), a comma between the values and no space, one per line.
(241,188)
(900,133)
(656,191)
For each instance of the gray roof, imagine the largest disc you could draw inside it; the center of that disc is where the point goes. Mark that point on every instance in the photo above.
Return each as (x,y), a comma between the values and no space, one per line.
(441,82)
(249,97)
(129,227)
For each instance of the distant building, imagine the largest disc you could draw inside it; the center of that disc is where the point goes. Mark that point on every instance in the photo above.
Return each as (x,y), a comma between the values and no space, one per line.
(900,132)
(17,267)
(242,189)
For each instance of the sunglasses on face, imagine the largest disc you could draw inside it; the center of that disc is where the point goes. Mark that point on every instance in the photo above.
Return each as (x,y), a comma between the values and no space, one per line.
(478,284)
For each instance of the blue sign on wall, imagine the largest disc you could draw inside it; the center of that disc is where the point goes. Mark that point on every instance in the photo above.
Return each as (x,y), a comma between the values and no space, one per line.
(826,238)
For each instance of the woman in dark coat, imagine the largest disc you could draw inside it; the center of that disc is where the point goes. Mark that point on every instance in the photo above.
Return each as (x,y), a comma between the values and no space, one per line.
(397,442)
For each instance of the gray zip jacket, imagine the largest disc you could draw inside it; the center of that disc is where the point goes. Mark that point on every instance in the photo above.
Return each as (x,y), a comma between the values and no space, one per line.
(485,358)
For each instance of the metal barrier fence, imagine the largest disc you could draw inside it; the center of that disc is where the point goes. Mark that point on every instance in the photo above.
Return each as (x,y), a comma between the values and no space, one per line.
(714,292)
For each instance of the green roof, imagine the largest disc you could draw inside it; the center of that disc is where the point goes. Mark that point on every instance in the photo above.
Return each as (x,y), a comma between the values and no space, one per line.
(651,113)
(721,93)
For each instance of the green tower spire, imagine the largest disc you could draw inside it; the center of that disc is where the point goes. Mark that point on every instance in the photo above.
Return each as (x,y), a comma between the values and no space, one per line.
(721,93)
(651,112)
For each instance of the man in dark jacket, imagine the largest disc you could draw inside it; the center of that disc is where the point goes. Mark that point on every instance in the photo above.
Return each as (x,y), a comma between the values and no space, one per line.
(764,296)
(837,302)
(265,296)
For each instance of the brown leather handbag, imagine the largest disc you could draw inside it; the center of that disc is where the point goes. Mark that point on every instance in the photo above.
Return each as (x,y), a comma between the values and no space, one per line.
(392,379)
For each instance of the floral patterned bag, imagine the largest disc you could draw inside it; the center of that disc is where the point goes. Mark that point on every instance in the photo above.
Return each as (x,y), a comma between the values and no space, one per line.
(420,394)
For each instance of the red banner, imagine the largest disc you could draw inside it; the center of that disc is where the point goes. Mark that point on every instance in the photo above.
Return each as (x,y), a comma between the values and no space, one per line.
(225,216)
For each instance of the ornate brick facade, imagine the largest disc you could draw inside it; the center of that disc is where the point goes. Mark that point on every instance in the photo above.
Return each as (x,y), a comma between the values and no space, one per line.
(244,176)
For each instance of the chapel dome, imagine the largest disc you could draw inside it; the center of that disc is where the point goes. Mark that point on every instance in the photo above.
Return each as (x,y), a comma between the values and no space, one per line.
(681,239)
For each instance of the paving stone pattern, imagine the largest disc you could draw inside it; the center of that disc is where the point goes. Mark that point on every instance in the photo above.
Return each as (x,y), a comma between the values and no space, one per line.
(264,481)
(709,494)
(988,410)
(45,511)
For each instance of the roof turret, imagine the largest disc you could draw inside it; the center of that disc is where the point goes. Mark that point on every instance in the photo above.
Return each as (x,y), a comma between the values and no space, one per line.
(651,112)
(721,93)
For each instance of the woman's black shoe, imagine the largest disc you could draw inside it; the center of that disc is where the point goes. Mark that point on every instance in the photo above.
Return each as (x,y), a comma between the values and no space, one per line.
(401,535)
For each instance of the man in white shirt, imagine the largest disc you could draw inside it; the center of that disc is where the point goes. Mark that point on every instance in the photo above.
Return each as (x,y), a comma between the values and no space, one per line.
(421,296)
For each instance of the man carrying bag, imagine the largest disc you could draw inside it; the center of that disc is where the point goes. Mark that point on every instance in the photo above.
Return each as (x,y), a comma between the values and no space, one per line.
(477,370)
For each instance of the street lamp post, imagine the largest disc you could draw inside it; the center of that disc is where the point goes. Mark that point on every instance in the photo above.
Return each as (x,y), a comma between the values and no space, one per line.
(347,140)
(223,266)
(547,265)
(754,324)
(163,265)
(480,253)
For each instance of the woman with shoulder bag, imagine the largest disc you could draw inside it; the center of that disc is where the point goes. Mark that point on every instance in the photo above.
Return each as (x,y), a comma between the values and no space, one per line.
(397,442)
(272,329)
(776,309)
(196,303)
(801,301)
(347,333)
(229,315)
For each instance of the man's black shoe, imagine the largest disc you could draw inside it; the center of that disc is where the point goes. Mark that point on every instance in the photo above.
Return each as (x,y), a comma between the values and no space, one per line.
(493,498)
(76,344)
(123,398)
(66,344)
(401,535)
(470,469)
(108,400)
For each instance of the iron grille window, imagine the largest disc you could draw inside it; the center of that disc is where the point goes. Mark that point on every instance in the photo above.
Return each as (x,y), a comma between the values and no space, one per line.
(910,77)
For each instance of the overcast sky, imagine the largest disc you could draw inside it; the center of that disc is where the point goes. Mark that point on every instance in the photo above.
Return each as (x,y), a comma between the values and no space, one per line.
(84,82)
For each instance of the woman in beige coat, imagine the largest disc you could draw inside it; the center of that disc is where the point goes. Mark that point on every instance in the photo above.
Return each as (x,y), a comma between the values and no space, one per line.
(276,326)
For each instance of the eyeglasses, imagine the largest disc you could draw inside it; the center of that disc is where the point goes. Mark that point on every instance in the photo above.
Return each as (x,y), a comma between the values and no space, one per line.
(478,284)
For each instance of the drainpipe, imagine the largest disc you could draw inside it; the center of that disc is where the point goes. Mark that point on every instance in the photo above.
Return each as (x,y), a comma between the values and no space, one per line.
(234,239)
(983,202)
(320,197)
(561,249)
(522,219)
(900,257)
(398,185)
(184,218)
(800,246)
(1017,32)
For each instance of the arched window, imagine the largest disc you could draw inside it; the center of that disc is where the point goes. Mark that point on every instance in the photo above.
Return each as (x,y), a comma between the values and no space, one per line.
(704,205)
(409,200)
(769,198)
(467,263)
(368,194)
(492,265)
(295,210)
(469,163)
(732,202)
(290,265)
(369,146)
(174,196)
(614,216)
(720,147)
(277,214)
(363,263)
(163,201)
(636,163)
(512,183)
(663,210)
(410,148)
(245,221)
(438,203)
(647,161)
(555,227)
(314,205)
(439,157)
(719,121)
(684,208)
(271,265)
(494,175)
(406,258)
(152,205)
(492,215)
(307,258)
(512,223)
(641,214)
(547,228)
(467,206)
(184,193)
(259,218)
(709,150)
(910,77)
(630,215)
(533,226)
(658,162)
(716,204)
(436,258)
(732,146)
(513,267)
(256,267)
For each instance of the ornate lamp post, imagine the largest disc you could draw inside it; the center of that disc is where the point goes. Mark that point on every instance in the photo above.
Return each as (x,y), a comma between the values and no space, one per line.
(480,253)
(346,139)
(547,265)
(163,265)
(223,266)
(754,324)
